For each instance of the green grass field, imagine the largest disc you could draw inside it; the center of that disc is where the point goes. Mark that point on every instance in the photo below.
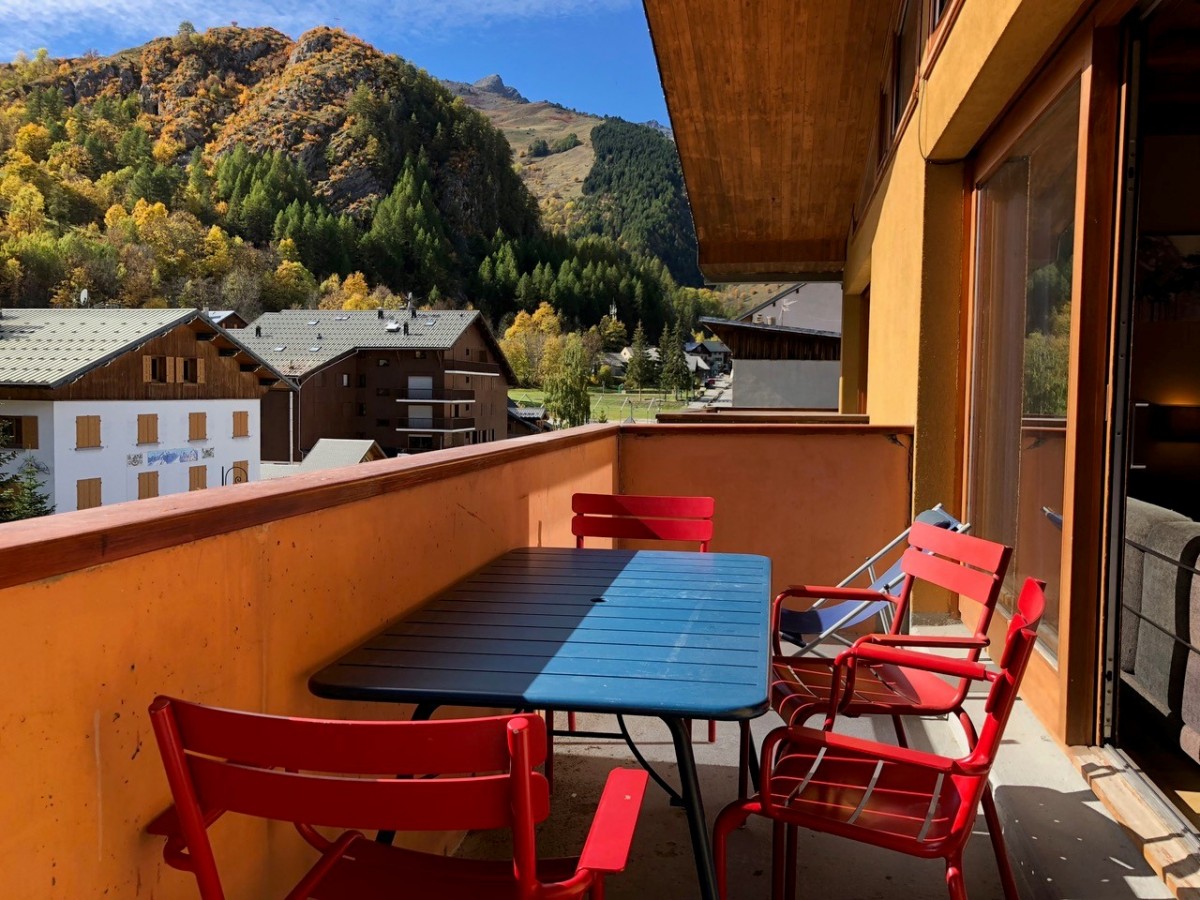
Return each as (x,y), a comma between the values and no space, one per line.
(616,407)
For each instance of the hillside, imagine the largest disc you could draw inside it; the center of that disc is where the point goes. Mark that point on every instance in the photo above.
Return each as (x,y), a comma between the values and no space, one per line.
(557,179)
(630,188)
(240,168)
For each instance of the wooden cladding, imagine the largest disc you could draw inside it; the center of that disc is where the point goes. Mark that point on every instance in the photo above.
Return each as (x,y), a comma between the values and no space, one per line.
(147,485)
(241,424)
(147,428)
(172,370)
(197,426)
(19,432)
(87,493)
(197,478)
(87,432)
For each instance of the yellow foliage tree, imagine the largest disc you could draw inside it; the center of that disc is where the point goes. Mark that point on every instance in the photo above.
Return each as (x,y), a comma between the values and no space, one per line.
(355,293)
(216,252)
(26,213)
(34,141)
(167,149)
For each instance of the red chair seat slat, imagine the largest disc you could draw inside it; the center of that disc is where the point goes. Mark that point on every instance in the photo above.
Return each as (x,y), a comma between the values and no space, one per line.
(662,507)
(801,686)
(977,552)
(642,529)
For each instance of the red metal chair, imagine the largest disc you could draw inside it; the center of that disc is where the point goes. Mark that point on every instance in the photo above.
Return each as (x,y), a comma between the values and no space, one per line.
(641,517)
(916,803)
(801,686)
(221,761)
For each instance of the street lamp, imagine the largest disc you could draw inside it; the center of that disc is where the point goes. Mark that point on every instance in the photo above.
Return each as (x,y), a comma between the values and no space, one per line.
(234,475)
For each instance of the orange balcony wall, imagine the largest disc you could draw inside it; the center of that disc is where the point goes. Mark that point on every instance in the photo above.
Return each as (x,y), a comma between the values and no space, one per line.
(235,596)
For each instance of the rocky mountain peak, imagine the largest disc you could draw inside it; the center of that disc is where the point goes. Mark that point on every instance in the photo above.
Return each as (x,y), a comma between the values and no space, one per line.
(494,84)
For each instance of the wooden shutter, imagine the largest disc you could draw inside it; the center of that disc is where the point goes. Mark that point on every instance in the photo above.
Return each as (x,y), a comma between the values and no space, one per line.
(241,470)
(197,478)
(147,485)
(148,428)
(29,432)
(87,493)
(197,426)
(199,371)
(87,431)
(147,368)
(241,424)
(174,364)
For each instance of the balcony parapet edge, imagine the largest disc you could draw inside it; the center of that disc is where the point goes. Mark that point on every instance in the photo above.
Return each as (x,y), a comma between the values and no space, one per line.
(36,549)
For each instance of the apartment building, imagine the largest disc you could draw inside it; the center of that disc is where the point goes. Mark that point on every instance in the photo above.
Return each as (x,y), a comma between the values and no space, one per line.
(125,404)
(410,380)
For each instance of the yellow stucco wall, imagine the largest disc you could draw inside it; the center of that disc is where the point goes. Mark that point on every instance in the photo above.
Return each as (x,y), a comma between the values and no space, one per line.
(908,247)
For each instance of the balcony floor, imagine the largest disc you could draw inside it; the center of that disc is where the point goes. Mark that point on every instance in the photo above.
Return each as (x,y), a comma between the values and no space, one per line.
(1061,840)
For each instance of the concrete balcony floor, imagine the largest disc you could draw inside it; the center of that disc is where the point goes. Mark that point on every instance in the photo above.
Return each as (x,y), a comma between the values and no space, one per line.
(1062,842)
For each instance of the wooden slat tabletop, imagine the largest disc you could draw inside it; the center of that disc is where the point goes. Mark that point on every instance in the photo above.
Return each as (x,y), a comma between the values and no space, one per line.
(651,632)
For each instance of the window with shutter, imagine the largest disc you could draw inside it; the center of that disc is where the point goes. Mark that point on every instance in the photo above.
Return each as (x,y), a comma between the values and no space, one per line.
(148,428)
(197,478)
(147,485)
(197,426)
(87,432)
(87,493)
(241,424)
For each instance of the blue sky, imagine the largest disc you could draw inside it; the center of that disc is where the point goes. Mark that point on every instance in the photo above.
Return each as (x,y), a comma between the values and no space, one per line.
(593,55)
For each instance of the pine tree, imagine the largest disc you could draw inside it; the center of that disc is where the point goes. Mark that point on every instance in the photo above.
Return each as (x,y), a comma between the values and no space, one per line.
(637,370)
(675,374)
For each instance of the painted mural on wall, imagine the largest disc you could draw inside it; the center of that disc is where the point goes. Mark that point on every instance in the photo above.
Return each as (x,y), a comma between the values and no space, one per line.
(169,457)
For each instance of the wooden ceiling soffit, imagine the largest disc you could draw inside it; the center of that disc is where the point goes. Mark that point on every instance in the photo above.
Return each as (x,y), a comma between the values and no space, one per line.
(773,103)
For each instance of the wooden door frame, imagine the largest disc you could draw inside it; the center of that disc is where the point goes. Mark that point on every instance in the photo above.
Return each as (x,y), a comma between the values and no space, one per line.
(1064,693)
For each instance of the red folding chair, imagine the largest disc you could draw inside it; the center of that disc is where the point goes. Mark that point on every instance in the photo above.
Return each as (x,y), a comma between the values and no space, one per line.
(801,686)
(916,803)
(641,517)
(316,772)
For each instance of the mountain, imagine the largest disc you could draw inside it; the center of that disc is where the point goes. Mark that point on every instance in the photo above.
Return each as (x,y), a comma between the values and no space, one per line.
(240,168)
(630,188)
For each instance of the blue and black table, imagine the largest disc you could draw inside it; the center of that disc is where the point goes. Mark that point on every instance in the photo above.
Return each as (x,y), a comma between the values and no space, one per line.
(677,636)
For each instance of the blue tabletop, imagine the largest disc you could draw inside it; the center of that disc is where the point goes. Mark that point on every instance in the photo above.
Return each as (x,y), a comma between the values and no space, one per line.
(651,632)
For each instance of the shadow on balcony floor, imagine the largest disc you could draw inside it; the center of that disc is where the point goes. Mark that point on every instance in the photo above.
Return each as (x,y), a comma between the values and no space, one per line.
(1061,840)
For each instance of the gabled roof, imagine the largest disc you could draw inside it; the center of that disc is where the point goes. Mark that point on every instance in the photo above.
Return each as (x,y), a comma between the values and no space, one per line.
(331,453)
(49,348)
(710,346)
(299,341)
(226,317)
(751,341)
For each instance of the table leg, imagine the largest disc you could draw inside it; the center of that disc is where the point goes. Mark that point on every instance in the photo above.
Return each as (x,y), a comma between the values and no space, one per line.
(422,713)
(694,802)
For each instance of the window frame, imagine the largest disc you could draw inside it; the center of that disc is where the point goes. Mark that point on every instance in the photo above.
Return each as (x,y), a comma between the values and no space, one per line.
(197,478)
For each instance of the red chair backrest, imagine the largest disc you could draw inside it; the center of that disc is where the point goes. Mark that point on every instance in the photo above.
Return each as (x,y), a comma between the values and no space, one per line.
(642,517)
(351,774)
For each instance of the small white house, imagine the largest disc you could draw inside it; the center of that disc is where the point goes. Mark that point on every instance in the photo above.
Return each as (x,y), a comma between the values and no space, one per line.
(123,404)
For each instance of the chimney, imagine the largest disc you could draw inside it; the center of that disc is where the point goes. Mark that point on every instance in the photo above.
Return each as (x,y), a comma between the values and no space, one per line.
(380,313)
(406,329)
(258,331)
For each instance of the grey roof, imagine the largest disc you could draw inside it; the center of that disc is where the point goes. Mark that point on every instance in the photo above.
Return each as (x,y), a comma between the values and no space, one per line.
(710,346)
(297,341)
(220,315)
(817,305)
(710,321)
(331,453)
(53,347)
(695,363)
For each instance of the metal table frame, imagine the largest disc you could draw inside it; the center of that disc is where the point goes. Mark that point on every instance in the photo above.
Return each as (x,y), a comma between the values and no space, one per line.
(676,636)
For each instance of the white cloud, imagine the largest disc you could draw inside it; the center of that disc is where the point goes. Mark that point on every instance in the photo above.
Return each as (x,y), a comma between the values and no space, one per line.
(66,25)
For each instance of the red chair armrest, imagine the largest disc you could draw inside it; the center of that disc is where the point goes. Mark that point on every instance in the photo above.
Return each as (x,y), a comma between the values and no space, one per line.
(817,592)
(926,640)
(611,834)
(928,662)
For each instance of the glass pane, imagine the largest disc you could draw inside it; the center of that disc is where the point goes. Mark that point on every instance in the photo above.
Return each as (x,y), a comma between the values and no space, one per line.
(1024,272)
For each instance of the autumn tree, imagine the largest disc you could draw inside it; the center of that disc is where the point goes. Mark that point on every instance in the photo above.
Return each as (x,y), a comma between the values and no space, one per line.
(567,398)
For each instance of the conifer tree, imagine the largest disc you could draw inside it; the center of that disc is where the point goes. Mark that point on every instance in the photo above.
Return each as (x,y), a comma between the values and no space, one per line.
(638,374)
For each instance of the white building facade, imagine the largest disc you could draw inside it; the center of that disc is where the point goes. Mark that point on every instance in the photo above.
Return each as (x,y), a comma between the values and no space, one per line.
(146,448)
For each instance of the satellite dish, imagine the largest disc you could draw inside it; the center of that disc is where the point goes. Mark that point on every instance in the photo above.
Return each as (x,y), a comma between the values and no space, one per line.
(83,297)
